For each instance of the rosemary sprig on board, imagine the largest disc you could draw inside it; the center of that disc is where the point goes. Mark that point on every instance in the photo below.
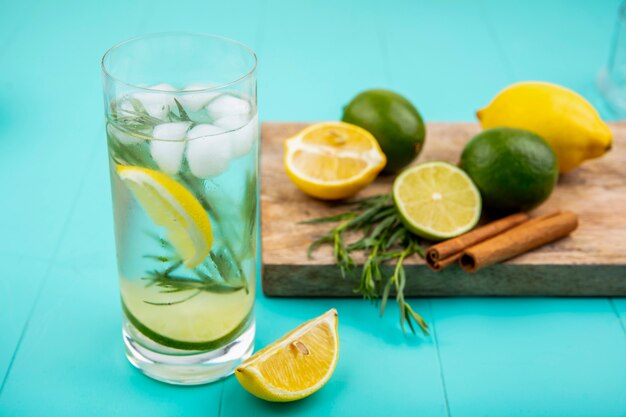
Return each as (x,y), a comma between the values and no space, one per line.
(383,239)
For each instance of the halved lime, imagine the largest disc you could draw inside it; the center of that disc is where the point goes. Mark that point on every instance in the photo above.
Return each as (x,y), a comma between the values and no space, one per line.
(202,322)
(437,200)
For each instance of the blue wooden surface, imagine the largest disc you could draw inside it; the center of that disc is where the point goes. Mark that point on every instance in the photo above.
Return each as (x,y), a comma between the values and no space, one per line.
(60,346)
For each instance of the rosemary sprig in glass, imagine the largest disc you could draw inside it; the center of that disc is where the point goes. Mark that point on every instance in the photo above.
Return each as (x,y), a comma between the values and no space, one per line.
(216,274)
(221,272)
(383,239)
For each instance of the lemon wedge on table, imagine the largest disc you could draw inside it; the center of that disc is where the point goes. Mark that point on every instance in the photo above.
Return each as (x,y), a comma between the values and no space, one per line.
(295,366)
(437,200)
(333,160)
(171,206)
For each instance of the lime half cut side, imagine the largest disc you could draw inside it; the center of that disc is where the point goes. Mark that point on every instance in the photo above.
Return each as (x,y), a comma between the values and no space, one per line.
(436,200)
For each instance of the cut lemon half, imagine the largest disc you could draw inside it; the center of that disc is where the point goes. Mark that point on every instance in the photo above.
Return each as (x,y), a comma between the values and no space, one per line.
(333,160)
(173,207)
(437,200)
(295,366)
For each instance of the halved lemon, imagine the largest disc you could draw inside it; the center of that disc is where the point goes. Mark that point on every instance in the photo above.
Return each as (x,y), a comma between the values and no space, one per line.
(333,160)
(437,200)
(295,366)
(171,206)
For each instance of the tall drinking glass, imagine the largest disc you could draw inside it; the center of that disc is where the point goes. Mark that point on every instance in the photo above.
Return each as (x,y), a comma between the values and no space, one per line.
(612,78)
(183,141)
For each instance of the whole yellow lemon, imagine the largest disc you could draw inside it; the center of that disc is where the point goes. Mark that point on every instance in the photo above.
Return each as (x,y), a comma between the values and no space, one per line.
(562,117)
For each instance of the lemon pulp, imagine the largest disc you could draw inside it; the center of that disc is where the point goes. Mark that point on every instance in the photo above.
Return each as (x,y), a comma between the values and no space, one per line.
(296,365)
(333,160)
(173,207)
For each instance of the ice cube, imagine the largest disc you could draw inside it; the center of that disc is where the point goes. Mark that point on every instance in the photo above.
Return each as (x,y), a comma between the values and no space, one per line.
(168,145)
(126,107)
(123,137)
(228,106)
(242,133)
(232,122)
(196,101)
(171,131)
(157,104)
(208,154)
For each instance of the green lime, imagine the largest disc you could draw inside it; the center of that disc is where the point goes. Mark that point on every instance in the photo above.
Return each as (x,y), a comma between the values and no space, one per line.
(185,345)
(514,169)
(436,200)
(187,321)
(393,120)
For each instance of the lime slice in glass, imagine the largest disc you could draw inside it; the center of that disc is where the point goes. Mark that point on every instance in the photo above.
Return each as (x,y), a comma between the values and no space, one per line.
(203,322)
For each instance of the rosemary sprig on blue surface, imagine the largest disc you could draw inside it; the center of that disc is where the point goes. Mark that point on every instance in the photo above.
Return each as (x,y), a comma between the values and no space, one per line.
(383,239)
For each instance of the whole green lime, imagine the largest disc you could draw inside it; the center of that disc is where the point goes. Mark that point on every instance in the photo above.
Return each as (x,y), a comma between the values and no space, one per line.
(513,169)
(393,120)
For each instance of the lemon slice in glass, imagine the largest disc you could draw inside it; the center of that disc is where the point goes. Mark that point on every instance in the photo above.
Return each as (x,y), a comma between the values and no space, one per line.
(173,207)
(437,200)
(333,160)
(295,366)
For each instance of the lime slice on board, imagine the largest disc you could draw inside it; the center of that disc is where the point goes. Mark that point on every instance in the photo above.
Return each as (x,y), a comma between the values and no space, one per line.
(173,207)
(437,200)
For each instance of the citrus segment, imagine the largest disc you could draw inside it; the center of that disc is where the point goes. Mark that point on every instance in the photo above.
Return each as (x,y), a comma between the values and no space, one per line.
(185,325)
(173,207)
(337,135)
(333,160)
(437,200)
(327,168)
(296,365)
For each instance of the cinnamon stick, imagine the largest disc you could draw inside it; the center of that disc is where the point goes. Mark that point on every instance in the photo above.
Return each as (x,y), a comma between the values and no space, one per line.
(443,263)
(527,236)
(446,253)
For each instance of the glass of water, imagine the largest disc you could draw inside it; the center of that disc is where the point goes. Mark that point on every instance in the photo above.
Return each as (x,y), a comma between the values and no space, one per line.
(612,78)
(183,144)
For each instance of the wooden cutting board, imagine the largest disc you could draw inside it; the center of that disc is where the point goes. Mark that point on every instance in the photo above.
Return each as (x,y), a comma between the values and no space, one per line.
(590,262)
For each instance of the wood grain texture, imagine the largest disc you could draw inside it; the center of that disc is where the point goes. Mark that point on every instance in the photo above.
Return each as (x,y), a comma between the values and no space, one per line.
(590,262)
